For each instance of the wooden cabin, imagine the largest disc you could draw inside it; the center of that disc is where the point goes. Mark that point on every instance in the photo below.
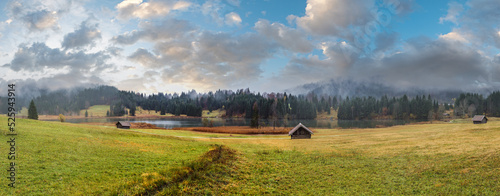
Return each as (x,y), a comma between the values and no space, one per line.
(480,119)
(123,125)
(300,132)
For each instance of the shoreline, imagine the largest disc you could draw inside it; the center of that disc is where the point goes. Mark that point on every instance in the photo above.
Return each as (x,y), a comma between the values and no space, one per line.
(56,117)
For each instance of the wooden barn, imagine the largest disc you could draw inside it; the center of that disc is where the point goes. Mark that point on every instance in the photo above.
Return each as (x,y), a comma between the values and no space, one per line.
(479,119)
(300,132)
(123,125)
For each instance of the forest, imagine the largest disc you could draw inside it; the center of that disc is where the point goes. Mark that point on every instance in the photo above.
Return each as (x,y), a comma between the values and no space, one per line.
(420,107)
(244,103)
(236,104)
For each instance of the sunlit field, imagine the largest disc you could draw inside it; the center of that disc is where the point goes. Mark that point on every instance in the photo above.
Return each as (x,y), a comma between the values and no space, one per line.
(425,159)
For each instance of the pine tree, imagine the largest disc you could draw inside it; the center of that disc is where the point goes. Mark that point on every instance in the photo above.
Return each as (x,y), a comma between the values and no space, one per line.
(86,114)
(254,123)
(32,113)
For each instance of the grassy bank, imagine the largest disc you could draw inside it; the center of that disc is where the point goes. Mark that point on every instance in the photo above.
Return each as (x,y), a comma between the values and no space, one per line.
(69,159)
(422,159)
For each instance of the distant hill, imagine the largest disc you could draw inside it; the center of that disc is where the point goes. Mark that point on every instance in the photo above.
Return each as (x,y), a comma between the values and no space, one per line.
(351,88)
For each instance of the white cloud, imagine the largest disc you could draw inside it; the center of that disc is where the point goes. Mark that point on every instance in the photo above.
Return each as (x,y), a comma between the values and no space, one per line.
(334,16)
(454,11)
(83,36)
(208,61)
(41,20)
(290,39)
(145,58)
(291,19)
(233,19)
(340,18)
(454,36)
(212,9)
(144,10)
(38,15)
(39,57)
(234,2)
(164,31)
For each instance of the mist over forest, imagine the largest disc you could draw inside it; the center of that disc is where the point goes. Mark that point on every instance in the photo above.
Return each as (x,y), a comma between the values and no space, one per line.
(350,99)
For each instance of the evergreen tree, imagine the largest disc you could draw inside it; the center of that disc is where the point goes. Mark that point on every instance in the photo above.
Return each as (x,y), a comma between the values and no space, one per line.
(132,111)
(86,114)
(254,123)
(32,113)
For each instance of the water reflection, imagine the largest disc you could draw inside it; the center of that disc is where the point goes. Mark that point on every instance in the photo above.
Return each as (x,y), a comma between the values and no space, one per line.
(197,122)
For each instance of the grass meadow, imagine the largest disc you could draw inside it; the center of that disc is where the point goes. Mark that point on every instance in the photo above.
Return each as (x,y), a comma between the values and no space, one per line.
(426,159)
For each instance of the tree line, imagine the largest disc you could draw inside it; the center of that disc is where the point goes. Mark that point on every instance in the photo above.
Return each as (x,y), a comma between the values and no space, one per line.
(362,108)
(236,104)
(470,104)
(273,106)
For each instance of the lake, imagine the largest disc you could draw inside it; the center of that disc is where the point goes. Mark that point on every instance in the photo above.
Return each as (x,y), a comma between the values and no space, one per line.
(197,122)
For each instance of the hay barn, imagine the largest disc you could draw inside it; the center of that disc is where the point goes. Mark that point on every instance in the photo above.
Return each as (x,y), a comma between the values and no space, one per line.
(479,119)
(300,132)
(123,125)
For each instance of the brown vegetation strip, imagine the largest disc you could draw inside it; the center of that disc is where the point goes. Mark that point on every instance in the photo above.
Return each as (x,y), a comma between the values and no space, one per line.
(140,125)
(237,130)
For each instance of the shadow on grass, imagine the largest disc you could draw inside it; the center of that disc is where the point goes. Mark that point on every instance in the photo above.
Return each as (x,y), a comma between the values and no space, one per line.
(199,177)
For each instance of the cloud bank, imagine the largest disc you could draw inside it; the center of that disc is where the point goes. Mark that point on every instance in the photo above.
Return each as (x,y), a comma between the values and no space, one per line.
(173,45)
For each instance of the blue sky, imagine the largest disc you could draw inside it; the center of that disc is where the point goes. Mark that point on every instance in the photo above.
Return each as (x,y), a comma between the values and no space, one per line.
(267,45)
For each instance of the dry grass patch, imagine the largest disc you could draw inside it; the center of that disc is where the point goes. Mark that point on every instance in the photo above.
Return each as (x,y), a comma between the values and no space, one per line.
(237,130)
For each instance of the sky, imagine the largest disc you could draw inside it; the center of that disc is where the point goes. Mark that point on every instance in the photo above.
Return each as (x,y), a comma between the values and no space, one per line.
(265,45)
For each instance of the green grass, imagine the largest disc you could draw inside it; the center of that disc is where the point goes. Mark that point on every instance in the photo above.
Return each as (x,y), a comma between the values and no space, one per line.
(69,159)
(426,159)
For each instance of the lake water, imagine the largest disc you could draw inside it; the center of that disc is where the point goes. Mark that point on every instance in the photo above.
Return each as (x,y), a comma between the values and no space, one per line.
(197,122)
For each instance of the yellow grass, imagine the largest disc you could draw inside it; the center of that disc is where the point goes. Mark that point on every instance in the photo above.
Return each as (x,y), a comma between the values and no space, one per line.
(96,111)
(325,115)
(214,114)
(237,130)
(421,139)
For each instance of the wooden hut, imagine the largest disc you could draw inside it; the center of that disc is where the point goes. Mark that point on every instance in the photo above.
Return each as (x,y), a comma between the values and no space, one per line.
(479,119)
(123,125)
(300,132)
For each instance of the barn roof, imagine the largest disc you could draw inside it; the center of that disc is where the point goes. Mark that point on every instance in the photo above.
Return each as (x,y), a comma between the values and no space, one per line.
(479,118)
(123,123)
(297,128)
